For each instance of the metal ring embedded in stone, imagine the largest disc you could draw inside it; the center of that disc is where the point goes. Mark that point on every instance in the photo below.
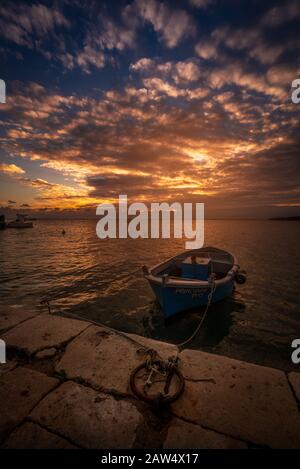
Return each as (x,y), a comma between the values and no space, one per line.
(160,397)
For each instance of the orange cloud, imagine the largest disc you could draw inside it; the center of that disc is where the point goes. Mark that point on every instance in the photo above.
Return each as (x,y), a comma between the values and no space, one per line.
(11,169)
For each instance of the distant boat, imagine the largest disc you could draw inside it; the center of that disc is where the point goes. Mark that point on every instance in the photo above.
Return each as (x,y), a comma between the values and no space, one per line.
(185,281)
(20,222)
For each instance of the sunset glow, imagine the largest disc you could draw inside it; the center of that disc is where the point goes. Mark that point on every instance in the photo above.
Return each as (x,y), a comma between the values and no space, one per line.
(157,100)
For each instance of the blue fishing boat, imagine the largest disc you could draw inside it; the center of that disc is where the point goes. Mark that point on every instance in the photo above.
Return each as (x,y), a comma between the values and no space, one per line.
(194,278)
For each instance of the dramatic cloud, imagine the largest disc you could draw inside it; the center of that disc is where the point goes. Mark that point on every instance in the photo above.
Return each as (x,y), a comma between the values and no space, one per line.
(19,22)
(88,56)
(11,169)
(285,12)
(201,3)
(172,25)
(148,99)
(206,50)
(187,71)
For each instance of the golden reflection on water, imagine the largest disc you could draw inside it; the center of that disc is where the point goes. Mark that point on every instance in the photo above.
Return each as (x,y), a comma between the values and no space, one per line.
(102,279)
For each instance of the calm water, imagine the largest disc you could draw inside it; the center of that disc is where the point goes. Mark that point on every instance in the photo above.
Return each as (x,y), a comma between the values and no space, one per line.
(102,280)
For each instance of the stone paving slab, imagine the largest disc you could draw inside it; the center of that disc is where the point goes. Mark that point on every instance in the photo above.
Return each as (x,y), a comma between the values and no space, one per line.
(186,435)
(20,390)
(43,331)
(164,348)
(226,403)
(10,317)
(104,359)
(6,367)
(32,436)
(46,353)
(294,379)
(249,402)
(88,418)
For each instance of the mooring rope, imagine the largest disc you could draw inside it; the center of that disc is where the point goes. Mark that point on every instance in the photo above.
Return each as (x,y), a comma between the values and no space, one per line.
(194,334)
(180,346)
(209,301)
(153,357)
(91,321)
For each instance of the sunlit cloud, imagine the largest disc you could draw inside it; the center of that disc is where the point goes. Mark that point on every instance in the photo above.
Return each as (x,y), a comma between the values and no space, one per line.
(171,24)
(19,22)
(145,100)
(11,169)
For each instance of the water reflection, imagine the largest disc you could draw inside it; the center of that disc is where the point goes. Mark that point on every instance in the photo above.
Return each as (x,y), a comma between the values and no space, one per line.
(103,280)
(178,328)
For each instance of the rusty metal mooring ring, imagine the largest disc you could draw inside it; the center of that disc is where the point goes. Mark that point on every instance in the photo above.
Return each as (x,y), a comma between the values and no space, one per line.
(163,399)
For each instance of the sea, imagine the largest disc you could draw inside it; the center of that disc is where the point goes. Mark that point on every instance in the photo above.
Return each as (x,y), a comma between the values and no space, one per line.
(102,280)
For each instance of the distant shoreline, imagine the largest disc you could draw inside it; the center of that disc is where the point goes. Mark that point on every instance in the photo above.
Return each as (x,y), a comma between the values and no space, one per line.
(286,218)
(94,218)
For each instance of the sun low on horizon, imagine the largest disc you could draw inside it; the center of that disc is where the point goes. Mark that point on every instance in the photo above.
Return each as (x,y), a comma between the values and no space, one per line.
(182,101)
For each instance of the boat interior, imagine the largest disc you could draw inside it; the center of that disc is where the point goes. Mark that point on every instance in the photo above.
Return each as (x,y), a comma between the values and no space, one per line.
(197,264)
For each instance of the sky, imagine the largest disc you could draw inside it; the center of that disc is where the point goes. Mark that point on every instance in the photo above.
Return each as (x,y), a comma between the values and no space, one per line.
(165,101)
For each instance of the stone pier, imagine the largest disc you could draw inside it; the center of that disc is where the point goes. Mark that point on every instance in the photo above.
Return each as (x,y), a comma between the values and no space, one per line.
(66,385)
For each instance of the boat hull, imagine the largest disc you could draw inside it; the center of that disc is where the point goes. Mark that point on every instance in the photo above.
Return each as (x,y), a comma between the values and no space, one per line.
(19,226)
(174,300)
(185,281)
